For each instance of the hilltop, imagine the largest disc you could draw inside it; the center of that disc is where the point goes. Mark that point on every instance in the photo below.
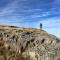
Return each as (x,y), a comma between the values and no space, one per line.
(28,44)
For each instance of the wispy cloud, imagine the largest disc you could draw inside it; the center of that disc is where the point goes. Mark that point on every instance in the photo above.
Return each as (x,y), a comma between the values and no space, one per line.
(9,9)
(25,9)
(30,13)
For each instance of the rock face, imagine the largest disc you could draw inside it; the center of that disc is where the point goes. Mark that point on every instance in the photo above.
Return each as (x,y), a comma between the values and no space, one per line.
(31,43)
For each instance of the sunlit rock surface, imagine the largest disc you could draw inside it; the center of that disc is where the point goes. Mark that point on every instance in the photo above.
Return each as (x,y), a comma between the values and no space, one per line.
(28,44)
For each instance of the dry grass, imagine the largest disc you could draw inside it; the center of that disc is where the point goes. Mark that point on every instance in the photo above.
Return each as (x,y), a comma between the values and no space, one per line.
(21,29)
(6,53)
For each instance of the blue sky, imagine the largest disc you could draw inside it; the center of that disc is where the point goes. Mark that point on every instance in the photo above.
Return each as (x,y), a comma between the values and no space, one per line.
(30,13)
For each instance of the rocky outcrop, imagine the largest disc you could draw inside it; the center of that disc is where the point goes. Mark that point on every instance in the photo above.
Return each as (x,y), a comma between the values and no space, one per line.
(31,43)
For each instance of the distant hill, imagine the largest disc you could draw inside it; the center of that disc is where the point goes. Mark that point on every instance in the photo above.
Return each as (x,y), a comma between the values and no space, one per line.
(28,44)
